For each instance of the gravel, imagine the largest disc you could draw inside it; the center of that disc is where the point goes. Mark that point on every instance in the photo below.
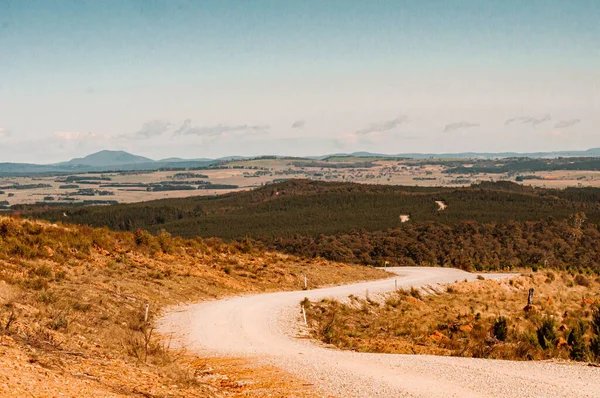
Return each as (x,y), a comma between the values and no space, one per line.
(269,327)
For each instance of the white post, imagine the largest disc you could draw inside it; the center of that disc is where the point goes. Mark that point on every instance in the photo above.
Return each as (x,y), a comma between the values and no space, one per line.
(304,315)
(305,283)
(146,316)
(396,284)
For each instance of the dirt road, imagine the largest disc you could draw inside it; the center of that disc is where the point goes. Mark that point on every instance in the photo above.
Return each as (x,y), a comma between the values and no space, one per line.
(266,327)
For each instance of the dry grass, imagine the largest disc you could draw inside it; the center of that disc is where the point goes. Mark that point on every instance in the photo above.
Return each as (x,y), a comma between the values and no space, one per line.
(461,321)
(73,299)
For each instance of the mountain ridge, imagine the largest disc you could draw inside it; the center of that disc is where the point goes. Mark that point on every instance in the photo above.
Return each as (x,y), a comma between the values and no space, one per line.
(112,160)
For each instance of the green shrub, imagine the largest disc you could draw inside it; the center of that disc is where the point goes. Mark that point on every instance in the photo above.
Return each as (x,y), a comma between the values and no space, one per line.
(595,342)
(546,334)
(577,348)
(500,328)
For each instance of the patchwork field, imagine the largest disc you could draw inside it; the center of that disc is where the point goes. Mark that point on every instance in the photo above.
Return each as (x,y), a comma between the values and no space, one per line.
(131,186)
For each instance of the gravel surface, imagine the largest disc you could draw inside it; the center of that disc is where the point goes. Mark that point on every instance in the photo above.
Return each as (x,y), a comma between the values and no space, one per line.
(269,328)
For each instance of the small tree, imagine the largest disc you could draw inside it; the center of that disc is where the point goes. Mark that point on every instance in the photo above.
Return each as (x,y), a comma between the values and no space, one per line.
(500,328)
(546,334)
(577,347)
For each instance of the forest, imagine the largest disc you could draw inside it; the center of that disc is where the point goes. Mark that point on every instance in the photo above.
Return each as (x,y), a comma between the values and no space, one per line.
(487,226)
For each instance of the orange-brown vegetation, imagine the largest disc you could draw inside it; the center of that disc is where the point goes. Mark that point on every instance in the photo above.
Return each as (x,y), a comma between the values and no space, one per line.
(73,300)
(484,319)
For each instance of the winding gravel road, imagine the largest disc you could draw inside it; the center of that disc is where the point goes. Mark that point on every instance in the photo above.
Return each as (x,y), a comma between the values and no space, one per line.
(266,327)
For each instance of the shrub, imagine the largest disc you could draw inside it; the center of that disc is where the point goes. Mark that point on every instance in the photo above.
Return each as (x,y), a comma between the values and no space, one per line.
(43,271)
(142,238)
(595,342)
(48,297)
(577,348)
(416,293)
(37,283)
(500,328)
(596,321)
(164,241)
(60,322)
(581,280)
(546,334)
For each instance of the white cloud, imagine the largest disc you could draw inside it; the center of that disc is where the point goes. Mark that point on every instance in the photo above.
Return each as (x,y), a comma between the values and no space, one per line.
(75,135)
(153,128)
(220,130)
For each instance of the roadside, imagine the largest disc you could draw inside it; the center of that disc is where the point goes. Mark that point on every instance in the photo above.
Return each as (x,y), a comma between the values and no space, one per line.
(73,303)
(267,329)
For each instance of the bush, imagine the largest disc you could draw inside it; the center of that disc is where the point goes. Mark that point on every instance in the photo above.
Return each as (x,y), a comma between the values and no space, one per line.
(595,342)
(546,334)
(577,348)
(595,348)
(164,241)
(582,280)
(596,321)
(500,329)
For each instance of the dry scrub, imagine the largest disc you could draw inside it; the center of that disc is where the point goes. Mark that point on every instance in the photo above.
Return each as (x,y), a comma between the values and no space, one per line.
(483,319)
(73,302)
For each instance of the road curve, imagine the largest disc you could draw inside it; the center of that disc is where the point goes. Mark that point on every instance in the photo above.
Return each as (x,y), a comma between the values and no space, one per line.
(266,326)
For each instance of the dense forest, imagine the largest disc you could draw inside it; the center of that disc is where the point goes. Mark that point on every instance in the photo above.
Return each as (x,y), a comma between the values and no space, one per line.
(485,226)
(515,165)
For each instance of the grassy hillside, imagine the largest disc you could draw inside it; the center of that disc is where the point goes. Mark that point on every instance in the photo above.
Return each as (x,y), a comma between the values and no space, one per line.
(72,307)
(483,319)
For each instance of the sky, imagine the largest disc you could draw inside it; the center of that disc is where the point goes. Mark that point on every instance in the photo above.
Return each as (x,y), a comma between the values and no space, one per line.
(205,79)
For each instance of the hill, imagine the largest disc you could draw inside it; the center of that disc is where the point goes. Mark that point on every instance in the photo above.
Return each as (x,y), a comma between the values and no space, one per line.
(592,152)
(107,158)
(73,304)
(105,161)
(485,226)
(311,208)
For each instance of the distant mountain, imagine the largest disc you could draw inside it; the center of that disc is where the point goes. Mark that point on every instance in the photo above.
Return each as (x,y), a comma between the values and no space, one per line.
(105,161)
(108,158)
(174,160)
(593,152)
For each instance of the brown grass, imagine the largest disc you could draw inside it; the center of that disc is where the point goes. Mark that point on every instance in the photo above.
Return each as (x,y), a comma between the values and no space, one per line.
(72,306)
(461,321)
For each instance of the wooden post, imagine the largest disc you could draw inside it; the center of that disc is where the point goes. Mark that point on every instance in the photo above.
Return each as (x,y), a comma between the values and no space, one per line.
(304,315)
(146,316)
(530,297)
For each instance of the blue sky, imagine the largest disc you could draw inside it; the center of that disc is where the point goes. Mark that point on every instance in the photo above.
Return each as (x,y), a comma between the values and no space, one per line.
(215,78)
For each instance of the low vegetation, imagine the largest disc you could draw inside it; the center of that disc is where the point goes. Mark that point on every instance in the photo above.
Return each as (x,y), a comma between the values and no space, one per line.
(73,306)
(482,319)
